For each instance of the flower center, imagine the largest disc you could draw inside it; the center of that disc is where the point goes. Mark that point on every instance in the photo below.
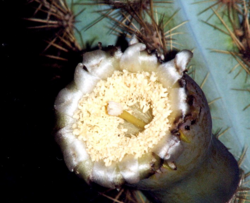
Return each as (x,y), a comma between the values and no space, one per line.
(110,137)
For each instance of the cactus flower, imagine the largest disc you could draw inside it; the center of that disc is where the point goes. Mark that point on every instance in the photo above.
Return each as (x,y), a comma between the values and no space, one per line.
(130,119)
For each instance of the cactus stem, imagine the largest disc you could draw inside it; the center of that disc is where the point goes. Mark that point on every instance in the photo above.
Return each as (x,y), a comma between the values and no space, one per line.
(247,90)
(206,181)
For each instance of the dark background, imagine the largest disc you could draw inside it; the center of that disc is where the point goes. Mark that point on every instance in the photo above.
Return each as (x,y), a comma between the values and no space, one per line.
(31,164)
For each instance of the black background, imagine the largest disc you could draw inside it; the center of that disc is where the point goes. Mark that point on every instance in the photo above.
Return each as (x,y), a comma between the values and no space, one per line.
(31,164)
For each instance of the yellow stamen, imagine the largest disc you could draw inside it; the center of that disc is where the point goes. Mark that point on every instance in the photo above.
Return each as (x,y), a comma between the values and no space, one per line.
(130,118)
(115,109)
(184,137)
(102,133)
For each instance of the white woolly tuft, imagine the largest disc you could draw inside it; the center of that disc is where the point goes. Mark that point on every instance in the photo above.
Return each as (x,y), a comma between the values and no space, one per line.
(171,71)
(74,150)
(130,58)
(84,81)
(168,75)
(106,176)
(183,100)
(182,59)
(67,101)
(133,40)
(99,174)
(75,153)
(178,99)
(169,148)
(129,169)
(148,62)
(65,135)
(64,120)
(93,58)
(100,64)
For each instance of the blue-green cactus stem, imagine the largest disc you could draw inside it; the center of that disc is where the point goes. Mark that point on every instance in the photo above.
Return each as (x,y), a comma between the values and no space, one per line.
(216,180)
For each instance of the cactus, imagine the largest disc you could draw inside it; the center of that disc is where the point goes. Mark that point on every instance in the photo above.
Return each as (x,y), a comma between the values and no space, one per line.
(217,33)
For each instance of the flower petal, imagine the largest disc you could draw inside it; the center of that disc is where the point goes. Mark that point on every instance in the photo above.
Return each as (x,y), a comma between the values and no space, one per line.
(74,150)
(107,176)
(99,63)
(129,168)
(130,58)
(84,81)
(67,101)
